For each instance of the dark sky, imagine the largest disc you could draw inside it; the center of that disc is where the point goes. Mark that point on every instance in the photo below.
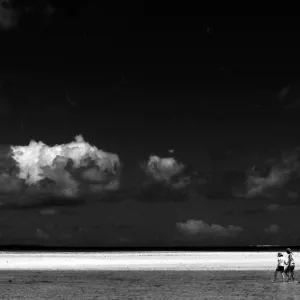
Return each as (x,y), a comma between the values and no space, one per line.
(245,59)
(208,87)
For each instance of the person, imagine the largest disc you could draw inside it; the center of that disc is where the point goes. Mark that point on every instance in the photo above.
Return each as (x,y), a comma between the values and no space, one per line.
(290,265)
(280,267)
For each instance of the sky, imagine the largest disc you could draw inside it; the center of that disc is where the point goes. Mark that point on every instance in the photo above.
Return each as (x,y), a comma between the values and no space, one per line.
(200,114)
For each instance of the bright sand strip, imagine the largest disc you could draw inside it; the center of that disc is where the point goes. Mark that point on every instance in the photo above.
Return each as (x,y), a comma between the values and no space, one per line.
(140,261)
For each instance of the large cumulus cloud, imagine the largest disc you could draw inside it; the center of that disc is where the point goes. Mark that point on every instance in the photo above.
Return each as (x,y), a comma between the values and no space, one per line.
(65,169)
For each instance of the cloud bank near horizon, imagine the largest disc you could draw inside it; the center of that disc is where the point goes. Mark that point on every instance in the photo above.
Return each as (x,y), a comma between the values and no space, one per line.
(78,167)
(198,227)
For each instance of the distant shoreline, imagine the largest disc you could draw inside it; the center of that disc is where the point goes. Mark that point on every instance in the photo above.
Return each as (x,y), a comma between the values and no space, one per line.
(33,248)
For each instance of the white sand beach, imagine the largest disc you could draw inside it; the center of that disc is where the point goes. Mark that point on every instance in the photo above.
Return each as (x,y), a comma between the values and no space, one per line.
(143,276)
(140,261)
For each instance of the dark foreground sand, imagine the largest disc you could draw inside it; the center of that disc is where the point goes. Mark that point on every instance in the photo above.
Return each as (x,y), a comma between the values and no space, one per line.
(144,285)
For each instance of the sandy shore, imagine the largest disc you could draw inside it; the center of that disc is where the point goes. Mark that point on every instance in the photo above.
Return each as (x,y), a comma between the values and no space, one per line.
(144,285)
(264,261)
(143,276)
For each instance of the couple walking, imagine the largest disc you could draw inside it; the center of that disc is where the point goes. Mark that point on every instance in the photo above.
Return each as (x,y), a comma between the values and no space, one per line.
(289,270)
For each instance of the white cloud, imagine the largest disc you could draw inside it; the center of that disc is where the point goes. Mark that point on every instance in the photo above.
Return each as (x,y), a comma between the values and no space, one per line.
(162,169)
(66,166)
(277,177)
(198,227)
(171,173)
(279,174)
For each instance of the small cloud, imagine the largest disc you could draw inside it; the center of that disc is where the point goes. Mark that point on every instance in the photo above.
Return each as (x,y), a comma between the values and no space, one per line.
(41,234)
(277,176)
(195,227)
(262,246)
(162,169)
(273,207)
(171,173)
(273,229)
(276,207)
(292,195)
(257,185)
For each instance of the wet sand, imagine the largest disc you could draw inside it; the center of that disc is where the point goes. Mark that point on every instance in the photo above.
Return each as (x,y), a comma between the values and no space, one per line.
(143,276)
